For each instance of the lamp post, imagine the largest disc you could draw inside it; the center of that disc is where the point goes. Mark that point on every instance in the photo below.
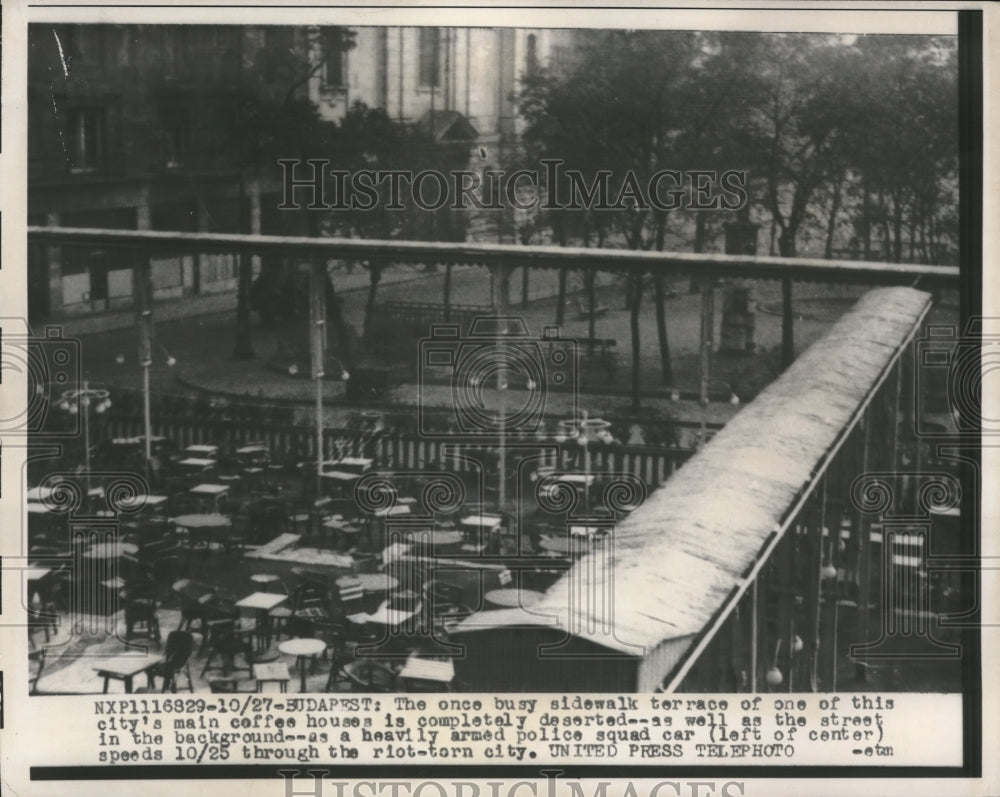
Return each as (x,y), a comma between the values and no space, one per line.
(317,329)
(146,363)
(496,291)
(80,401)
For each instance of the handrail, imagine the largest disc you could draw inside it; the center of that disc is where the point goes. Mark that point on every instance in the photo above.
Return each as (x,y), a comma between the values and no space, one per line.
(507,255)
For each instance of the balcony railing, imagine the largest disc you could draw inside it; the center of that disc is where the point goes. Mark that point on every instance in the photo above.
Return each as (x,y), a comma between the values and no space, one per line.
(145,243)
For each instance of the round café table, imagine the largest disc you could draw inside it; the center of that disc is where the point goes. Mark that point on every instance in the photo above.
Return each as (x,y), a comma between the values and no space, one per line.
(265,580)
(110,550)
(302,648)
(512,598)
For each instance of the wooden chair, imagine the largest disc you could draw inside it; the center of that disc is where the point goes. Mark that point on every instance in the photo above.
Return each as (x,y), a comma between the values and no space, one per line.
(141,618)
(176,658)
(228,642)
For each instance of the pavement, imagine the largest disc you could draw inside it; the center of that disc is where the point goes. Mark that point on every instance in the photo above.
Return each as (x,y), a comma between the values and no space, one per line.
(202,347)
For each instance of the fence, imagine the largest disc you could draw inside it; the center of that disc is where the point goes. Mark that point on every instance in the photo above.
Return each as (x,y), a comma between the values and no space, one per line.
(403,451)
(422,314)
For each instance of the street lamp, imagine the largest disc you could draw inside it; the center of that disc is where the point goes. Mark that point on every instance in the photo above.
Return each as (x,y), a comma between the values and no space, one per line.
(80,402)
(317,346)
(146,361)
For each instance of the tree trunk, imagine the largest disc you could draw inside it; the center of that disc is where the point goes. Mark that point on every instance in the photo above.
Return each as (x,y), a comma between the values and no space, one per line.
(447,292)
(636,282)
(561,298)
(897,230)
(243,349)
(661,330)
(559,226)
(335,315)
(787,324)
(700,234)
(592,303)
(832,226)
(374,277)
(786,246)
(866,221)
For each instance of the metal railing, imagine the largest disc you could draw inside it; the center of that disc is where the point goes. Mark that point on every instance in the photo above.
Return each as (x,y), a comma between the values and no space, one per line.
(145,242)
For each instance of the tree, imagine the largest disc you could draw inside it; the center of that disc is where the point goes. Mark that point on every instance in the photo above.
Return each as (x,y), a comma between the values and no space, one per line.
(902,133)
(267,117)
(371,140)
(612,119)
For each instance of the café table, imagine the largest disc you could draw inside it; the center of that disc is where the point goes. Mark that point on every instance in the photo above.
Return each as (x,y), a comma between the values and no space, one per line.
(274,672)
(434,538)
(483,521)
(508,598)
(200,463)
(205,524)
(579,481)
(212,492)
(356,464)
(389,617)
(207,450)
(588,532)
(202,520)
(370,582)
(39,493)
(110,550)
(563,546)
(396,510)
(125,668)
(35,576)
(576,478)
(262,603)
(341,527)
(420,669)
(143,502)
(302,648)
(339,476)
(251,450)
(265,580)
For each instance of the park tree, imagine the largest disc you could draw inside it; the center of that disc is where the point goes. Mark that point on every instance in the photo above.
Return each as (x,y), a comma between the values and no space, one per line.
(903,118)
(266,115)
(613,118)
(371,140)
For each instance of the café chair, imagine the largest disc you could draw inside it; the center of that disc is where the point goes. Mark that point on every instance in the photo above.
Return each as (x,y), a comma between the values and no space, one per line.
(227,642)
(141,618)
(175,661)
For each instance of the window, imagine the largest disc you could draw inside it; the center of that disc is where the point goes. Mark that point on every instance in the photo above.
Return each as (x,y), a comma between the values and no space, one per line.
(430,73)
(175,146)
(335,76)
(86,132)
(531,55)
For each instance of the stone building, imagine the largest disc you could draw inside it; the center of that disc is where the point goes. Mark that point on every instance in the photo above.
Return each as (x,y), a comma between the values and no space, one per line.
(137,127)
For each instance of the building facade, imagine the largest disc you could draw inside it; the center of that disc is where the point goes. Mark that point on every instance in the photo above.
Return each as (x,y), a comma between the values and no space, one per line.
(139,127)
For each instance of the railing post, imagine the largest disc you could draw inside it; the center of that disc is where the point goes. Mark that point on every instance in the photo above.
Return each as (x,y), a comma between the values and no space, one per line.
(862,524)
(317,337)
